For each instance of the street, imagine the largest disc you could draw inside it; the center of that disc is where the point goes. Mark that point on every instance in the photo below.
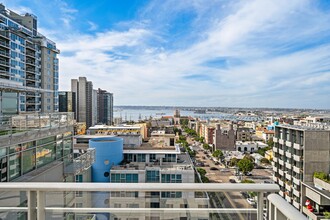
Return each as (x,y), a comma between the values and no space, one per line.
(220,174)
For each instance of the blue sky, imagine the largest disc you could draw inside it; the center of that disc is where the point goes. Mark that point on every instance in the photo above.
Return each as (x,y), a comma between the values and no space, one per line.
(256,53)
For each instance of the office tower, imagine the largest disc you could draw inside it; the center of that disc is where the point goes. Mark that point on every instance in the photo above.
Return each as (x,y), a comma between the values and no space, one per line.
(84,100)
(299,151)
(105,107)
(94,107)
(28,62)
(67,101)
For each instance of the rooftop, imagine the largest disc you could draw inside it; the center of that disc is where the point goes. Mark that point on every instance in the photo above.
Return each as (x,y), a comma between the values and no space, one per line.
(308,127)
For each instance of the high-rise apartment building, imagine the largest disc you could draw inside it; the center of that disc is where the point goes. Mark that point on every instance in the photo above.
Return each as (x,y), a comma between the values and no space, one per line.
(28,63)
(299,151)
(94,107)
(84,100)
(105,107)
(67,101)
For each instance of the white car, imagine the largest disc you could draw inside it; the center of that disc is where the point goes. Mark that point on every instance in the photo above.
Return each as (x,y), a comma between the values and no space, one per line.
(251,201)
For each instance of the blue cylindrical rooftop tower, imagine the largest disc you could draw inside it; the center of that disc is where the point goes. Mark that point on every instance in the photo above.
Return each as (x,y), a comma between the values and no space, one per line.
(108,152)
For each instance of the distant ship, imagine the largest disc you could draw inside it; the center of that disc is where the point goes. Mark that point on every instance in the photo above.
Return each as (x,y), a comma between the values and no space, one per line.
(160,113)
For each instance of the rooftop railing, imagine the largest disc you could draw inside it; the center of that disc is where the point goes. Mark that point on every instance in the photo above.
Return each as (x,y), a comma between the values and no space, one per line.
(139,201)
(32,125)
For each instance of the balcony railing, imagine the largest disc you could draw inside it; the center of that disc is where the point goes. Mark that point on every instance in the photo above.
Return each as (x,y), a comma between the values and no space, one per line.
(29,126)
(297,146)
(41,200)
(81,163)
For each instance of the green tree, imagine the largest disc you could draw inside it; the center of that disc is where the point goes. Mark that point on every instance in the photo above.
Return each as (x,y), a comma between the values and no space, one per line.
(184,122)
(206,146)
(245,165)
(200,139)
(233,161)
(177,130)
(270,142)
(218,154)
(248,157)
(262,151)
(201,171)
(326,215)
(264,160)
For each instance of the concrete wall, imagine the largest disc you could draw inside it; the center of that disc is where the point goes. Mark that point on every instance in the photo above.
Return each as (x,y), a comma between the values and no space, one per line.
(316,153)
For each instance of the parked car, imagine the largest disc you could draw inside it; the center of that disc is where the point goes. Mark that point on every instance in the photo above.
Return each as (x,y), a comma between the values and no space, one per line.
(245,194)
(251,201)
(249,174)
(232,180)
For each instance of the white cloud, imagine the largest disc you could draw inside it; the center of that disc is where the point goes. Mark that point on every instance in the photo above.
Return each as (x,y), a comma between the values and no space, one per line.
(92,25)
(21,10)
(263,44)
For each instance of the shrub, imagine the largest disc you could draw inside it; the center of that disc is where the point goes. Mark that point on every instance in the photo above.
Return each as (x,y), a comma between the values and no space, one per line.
(322,176)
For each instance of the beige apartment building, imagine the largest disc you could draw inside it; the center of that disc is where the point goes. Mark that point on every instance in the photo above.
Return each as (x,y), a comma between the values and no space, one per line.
(298,153)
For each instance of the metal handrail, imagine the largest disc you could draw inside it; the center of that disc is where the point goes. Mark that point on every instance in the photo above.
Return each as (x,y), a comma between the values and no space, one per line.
(36,208)
(145,187)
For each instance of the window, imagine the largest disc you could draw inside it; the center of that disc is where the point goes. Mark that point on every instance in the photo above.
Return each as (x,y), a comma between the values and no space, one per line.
(171,178)
(28,160)
(154,205)
(152,176)
(67,146)
(171,194)
(117,205)
(14,165)
(169,158)
(79,179)
(141,158)
(152,157)
(59,149)
(125,194)
(124,178)
(133,205)
(45,154)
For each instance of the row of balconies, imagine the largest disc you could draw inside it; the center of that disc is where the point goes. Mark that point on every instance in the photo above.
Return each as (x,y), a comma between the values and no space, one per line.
(4,53)
(288,176)
(296,169)
(281,162)
(288,165)
(288,154)
(30,54)
(296,192)
(4,44)
(288,143)
(281,172)
(297,146)
(296,181)
(280,151)
(4,63)
(4,34)
(288,198)
(297,158)
(296,204)
(30,46)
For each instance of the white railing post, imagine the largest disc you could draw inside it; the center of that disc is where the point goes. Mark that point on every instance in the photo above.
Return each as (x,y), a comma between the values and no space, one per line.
(41,214)
(31,204)
(260,205)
